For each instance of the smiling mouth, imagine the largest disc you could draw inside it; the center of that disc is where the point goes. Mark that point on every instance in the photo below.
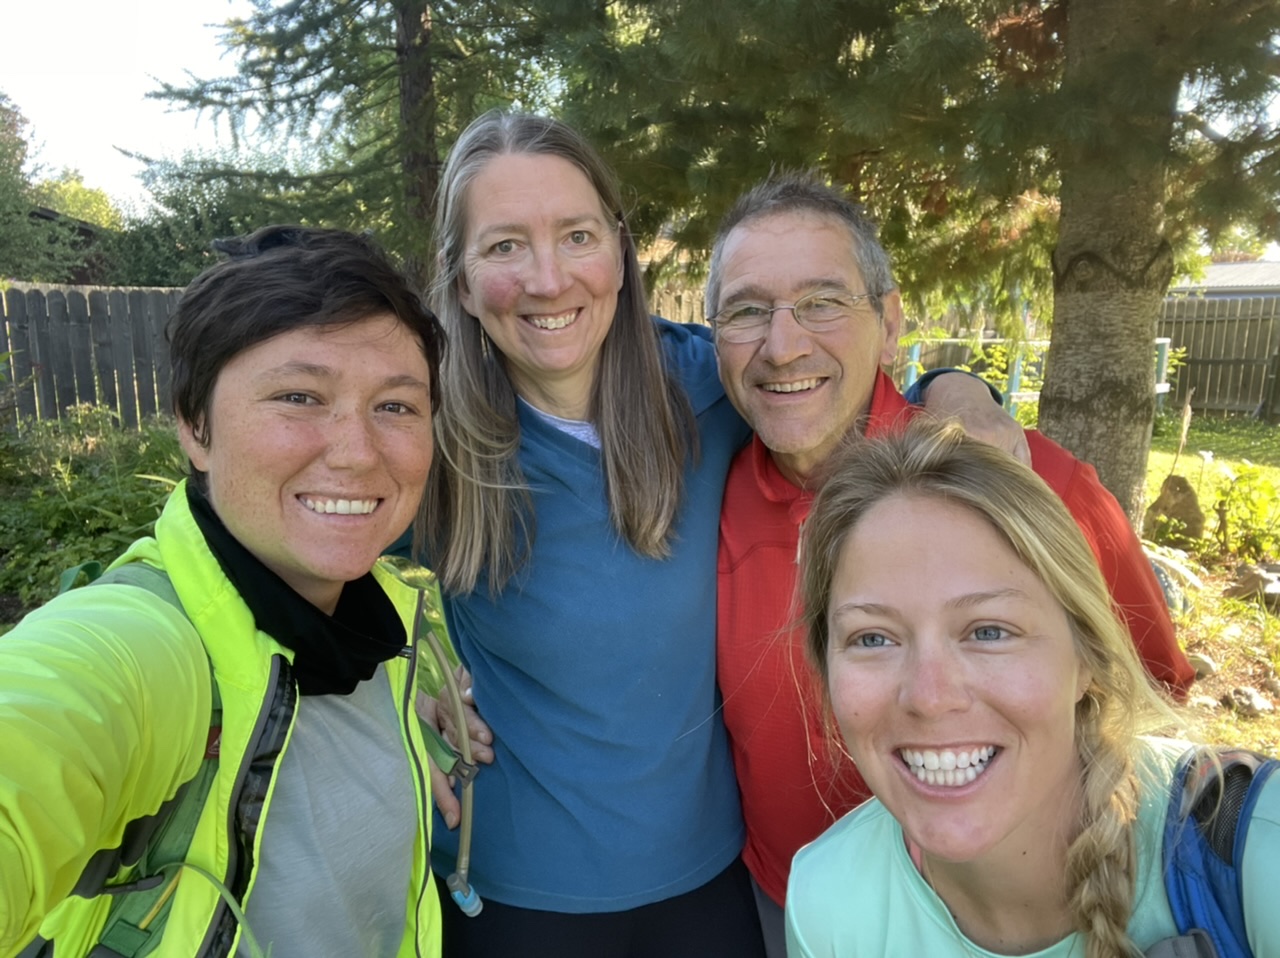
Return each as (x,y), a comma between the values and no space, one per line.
(801,385)
(559,321)
(340,507)
(947,767)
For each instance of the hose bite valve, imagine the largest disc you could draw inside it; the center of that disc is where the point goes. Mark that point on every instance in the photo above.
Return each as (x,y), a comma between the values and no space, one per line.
(464,895)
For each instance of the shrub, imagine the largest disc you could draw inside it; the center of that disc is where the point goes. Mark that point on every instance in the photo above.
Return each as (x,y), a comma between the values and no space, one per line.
(77,489)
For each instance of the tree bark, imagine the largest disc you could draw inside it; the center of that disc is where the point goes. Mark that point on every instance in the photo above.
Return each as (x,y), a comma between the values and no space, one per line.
(1112,264)
(420,160)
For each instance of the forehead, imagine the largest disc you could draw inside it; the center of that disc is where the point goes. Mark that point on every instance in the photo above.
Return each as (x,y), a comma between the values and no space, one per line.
(375,341)
(788,253)
(519,189)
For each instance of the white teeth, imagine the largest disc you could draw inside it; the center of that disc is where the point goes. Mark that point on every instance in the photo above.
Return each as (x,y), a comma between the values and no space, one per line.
(946,767)
(554,322)
(791,387)
(341,507)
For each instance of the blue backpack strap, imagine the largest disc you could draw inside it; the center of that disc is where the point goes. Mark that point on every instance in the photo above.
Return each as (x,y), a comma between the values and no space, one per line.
(1210,805)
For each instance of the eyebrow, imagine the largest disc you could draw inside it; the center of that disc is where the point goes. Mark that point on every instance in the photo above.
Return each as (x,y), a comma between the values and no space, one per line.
(959,602)
(320,371)
(563,222)
(754,291)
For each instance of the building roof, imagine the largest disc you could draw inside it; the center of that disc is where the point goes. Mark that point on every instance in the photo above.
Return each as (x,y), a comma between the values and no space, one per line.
(1259,277)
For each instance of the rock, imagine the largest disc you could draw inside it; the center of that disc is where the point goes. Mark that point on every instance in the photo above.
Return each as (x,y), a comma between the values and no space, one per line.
(1272,685)
(1203,665)
(1249,702)
(1177,505)
(1206,702)
(1261,582)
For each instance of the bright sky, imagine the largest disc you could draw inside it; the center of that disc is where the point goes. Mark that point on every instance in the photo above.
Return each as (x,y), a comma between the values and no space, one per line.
(79,70)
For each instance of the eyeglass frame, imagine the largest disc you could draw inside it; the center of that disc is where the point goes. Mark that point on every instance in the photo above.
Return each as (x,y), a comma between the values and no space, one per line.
(854,301)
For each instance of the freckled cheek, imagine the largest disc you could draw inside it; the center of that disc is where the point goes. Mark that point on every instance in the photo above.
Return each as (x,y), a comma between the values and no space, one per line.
(856,705)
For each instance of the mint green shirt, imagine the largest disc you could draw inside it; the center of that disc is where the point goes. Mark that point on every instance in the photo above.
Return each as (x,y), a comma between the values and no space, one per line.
(855,891)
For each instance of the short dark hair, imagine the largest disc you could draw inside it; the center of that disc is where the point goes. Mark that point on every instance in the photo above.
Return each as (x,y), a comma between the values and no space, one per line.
(275,280)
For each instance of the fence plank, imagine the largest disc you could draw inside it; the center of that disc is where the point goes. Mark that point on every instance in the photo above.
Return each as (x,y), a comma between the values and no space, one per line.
(41,355)
(8,396)
(81,347)
(160,305)
(122,355)
(104,361)
(19,343)
(144,373)
(64,379)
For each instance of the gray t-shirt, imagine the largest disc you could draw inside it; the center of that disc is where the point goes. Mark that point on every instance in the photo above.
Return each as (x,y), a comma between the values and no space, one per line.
(337,850)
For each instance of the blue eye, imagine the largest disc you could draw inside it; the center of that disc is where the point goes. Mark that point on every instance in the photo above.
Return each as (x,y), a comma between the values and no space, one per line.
(989,633)
(504,246)
(579,237)
(870,640)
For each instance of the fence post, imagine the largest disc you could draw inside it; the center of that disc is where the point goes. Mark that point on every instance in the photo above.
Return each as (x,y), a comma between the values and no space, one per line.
(912,372)
(1162,369)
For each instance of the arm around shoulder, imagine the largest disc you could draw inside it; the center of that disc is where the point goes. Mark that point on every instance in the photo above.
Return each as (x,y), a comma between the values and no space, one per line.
(104,712)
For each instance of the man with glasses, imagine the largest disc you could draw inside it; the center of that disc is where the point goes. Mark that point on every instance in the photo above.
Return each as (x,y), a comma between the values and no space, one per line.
(805,312)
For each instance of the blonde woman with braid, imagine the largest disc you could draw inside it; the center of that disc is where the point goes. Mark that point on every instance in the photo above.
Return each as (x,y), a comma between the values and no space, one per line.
(995,706)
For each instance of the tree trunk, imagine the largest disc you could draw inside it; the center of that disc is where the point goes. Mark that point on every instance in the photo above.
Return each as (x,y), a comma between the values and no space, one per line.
(420,161)
(1112,264)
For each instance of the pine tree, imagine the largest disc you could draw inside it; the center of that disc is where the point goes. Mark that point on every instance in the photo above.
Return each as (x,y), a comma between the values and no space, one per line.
(376,89)
(1078,146)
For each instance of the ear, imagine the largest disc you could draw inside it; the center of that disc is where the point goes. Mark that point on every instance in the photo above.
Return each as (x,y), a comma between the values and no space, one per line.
(196,451)
(892,323)
(1084,679)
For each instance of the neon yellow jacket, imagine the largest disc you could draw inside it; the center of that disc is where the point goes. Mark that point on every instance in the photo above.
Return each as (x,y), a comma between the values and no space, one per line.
(104,713)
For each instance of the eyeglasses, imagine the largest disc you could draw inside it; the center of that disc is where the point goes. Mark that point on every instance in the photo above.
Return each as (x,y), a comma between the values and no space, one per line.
(817,312)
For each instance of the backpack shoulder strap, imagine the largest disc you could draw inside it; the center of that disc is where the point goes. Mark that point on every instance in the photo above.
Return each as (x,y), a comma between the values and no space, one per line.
(1211,802)
(137,874)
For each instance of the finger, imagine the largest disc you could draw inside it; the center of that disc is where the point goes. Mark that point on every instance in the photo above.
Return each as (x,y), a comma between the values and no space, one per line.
(442,792)
(427,709)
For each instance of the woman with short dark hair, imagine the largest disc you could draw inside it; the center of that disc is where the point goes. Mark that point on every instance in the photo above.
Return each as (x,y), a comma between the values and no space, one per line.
(304,378)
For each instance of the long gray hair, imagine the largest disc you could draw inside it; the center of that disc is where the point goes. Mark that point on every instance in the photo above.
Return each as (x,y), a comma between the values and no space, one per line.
(477,514)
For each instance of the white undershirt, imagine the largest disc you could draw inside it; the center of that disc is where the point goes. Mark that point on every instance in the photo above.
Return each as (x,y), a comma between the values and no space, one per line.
(579,429)
(336,855)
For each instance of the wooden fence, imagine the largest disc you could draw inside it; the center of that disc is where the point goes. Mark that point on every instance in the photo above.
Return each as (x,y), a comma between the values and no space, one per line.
(77,344)
(1233,353)
(64,345)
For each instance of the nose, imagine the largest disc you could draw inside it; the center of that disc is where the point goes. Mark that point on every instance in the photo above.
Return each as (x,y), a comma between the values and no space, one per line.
(351,441)
(545,275)
(934,682)
(785,340)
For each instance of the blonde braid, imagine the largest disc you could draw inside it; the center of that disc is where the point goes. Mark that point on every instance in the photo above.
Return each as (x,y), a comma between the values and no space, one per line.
(1102,860)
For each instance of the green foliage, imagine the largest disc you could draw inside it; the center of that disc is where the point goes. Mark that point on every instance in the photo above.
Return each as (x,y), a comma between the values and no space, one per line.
(77,489)
(1234,467)
(32,249)
(1248,511)
(194,201)
(67,194)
